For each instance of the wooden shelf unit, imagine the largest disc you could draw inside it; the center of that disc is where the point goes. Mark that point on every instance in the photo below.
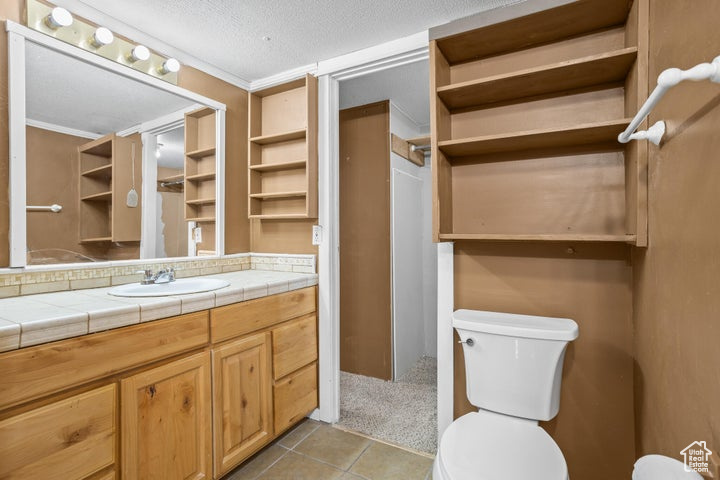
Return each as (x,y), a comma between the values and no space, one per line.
(105,178)
(200,167)
(525,115)
(282,151)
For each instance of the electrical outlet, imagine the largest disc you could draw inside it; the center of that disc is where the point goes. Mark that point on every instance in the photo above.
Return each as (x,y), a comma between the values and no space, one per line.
(197,234)
(316,235)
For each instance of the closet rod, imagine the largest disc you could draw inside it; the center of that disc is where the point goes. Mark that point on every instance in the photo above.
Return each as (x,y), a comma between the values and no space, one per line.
(666,80)
(55,208)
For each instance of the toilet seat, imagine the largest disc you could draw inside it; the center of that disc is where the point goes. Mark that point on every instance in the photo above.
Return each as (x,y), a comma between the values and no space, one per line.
(489,446)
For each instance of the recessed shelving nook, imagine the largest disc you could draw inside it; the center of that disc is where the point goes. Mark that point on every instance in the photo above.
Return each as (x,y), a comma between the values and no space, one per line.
(282,151)
(525,117)
(105,177)
(200,165)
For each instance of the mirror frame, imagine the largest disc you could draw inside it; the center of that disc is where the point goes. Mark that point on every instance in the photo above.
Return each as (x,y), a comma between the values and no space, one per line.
(17,235)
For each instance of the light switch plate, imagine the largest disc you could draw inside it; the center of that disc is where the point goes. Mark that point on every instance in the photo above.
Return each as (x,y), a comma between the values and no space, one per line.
(316,235)
(197,234)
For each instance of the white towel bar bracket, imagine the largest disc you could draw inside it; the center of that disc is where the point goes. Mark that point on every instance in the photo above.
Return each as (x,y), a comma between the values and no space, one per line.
(666,80)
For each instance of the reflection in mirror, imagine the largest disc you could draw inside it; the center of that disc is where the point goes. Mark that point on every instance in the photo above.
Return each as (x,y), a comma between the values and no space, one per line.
(91,135)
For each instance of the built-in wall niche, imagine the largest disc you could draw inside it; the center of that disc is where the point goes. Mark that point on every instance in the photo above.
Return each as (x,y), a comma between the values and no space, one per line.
(85,137)
(282,151)
(525,119)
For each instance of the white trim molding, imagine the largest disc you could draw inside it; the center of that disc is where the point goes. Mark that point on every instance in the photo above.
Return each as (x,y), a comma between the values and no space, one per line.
(51,127)
(283,77)
(445,335)
(17,188)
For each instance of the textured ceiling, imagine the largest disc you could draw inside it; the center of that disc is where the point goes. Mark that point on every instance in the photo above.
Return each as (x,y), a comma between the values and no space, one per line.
(65,91)
(406,86)
(229,33)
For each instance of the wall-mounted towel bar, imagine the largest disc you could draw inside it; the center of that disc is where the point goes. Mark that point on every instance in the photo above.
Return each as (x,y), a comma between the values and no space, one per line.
(666,80)
(55,208)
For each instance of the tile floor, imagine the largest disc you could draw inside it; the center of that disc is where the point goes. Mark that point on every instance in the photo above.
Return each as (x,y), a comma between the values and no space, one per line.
(317,451)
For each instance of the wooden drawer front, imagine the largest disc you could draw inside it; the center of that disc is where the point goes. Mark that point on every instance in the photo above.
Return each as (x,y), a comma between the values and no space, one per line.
(242,400)
(295,396)
(33,372)
(241,318)
(66,440)
(166,421)
(294,345)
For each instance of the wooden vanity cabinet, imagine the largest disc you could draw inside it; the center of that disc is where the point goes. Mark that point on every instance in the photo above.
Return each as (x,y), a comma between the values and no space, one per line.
(166,421)
(242,399)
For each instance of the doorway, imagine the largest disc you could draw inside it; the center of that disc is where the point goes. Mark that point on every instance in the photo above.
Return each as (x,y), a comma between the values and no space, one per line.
(388,379)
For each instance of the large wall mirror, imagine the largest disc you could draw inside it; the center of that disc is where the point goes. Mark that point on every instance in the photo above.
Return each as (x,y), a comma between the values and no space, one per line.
(116,166)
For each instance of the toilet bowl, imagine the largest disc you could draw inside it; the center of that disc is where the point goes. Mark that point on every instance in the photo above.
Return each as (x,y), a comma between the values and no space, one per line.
(513,366)
(658,467)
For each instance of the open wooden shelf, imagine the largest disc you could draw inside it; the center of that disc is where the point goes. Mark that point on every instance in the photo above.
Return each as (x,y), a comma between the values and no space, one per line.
(102,147)
(282,151)
(201,219)
(556,138)
(288,216)
(199,177)
(201,201)
(96,240)
(599,69)
(280,137)
(98,197)
(102,171)
(201,153)
(561,237)
(278,195)
(273,167)
(546,26)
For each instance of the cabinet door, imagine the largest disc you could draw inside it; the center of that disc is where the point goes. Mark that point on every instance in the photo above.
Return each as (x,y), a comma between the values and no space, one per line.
(165,418)
(65,440)
(242,407)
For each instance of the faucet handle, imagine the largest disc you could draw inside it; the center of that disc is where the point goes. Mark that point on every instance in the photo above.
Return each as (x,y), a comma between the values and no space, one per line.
(147,276)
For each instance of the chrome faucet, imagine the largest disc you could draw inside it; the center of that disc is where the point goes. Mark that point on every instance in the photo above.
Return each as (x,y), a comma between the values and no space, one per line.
(166,275)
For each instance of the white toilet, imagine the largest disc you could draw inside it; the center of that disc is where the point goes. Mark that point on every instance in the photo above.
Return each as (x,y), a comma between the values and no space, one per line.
(513,366)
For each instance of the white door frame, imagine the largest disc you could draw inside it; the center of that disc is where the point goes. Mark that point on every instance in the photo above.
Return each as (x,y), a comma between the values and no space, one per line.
(381,57)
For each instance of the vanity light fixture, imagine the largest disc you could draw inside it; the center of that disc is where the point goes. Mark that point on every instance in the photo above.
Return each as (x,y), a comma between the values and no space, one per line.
(170,66)
(59,17)
(139,53)
(102,37)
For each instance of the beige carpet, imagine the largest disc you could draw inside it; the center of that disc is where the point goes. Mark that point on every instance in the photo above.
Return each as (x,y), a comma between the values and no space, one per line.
(403,412)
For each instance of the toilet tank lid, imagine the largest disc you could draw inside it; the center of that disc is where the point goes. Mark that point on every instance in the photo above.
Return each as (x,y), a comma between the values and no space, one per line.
(515,325)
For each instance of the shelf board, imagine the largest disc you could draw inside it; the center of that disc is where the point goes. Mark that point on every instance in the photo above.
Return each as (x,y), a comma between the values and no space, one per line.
(96,240)
(201,201)
(555,138)
(545,26)
(560,237)
(199,177)
(279,195)
(279,137)
(601,69)
(271,167)
(104,171)
(172,178)
(101,147)
(201,112)
(200,219)
(280,216)
(98,197)
(201,153)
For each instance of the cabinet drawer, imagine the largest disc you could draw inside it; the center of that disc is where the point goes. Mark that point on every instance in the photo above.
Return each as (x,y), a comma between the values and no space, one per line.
(241,318)
(294,345)
(66,440)
(295,396)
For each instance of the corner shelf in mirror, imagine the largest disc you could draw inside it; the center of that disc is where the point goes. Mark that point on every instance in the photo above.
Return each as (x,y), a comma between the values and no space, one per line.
(96,240)
(554,237)
(201,219)
(199,177)
(280,137)
(202,152)
(201,201)
(271,167)
(101,171)
(200,172)
(98,197)
(278,195)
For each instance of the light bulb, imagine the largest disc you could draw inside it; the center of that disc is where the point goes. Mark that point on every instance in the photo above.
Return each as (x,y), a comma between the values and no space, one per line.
(59,17)
(139,53)
(102,37)
(170,66)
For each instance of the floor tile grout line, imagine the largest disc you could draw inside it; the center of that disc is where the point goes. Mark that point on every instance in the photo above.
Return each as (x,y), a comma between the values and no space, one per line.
(273,463)
(304,438)
(370,443)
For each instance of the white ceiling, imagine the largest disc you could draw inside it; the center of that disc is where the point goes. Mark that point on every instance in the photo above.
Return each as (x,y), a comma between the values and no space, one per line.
(65,91)
(229,33)
(406,86)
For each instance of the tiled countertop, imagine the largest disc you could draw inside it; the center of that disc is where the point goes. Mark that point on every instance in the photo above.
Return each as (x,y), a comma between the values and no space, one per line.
(36,319)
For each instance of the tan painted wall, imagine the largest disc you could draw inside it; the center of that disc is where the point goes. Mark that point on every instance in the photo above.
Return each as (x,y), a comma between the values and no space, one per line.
(676,282)
(594,428)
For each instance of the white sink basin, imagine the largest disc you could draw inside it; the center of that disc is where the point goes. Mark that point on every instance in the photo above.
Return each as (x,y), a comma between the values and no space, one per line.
(178,287)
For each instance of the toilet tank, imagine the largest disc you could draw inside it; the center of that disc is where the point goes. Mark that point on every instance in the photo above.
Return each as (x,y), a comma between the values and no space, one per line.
(513,363)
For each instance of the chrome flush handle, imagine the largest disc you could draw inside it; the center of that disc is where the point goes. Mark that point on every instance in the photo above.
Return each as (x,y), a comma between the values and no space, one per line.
(469,342)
